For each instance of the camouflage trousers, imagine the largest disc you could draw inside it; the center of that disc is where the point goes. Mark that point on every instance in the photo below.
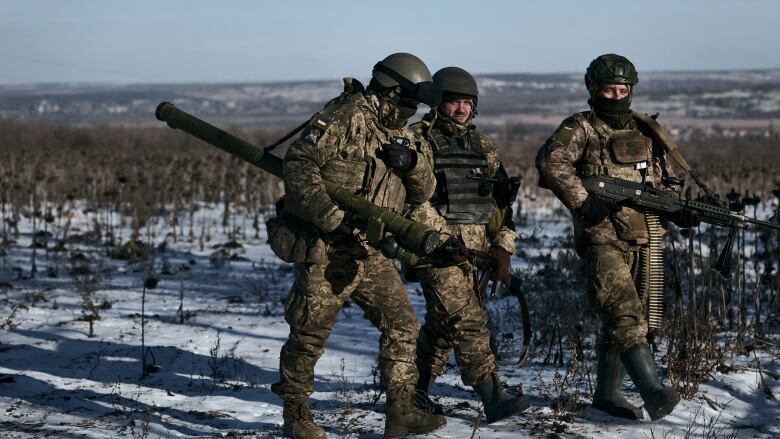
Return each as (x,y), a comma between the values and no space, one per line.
(454,318)
(318,294)
(612,294)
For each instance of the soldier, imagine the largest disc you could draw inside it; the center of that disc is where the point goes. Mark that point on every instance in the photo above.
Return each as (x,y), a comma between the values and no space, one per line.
(471,183)
(357,140)
(608,140)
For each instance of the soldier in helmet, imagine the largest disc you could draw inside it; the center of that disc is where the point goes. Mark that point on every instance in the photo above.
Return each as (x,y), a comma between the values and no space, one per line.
(357,140)
(471,190)
(613,241)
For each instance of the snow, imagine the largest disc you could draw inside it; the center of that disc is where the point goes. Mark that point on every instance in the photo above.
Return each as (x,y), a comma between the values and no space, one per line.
(213,372)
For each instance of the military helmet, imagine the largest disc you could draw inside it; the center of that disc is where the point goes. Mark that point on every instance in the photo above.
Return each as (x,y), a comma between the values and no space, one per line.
(610,69)
(456,82)
(410,75)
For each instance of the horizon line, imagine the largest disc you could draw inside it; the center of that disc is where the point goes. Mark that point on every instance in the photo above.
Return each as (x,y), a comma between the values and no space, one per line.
(299,81)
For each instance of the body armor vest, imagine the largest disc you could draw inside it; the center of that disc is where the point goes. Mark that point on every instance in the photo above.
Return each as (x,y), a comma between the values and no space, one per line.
(463,190)
(626,154)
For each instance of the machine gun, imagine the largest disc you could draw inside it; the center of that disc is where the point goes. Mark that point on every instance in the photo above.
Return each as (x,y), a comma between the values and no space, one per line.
(618,191)
(376,221)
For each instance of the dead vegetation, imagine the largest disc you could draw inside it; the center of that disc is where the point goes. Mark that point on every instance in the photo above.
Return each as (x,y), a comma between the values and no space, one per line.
(154,182)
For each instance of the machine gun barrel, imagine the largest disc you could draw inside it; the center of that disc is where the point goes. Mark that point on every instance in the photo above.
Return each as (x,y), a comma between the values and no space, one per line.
(411,235)
(642,195)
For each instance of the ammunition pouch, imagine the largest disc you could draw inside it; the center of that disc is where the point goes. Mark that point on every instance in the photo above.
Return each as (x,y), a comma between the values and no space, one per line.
(630,226)
(629,147)
(293,240)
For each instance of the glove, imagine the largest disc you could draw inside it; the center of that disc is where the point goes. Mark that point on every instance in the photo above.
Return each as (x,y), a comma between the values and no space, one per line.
(398,157)
(347,226)
(453,251)
(499,259)
(593,211)
(686,218)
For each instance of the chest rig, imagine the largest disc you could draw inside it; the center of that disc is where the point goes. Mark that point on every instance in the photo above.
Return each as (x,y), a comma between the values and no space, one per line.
(463,184)
(625,154)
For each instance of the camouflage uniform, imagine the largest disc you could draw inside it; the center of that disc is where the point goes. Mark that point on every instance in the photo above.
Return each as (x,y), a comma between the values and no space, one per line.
(454,315)
(341,144)
(581,147)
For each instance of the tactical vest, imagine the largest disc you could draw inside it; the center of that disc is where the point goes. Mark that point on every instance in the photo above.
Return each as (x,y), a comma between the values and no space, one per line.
(459,164)
(626,154)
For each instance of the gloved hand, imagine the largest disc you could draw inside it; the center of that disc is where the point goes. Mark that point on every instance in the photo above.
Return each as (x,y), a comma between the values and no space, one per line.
(686,218)
(499,259)
(593,211)
(398,157)
(453,251)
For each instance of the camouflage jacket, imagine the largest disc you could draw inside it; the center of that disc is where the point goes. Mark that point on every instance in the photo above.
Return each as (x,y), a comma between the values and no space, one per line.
(584,146)
(474,235)
(342,143)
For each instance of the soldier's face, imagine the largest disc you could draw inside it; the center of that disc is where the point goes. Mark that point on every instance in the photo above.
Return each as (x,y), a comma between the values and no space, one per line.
(614,91)
(459,109)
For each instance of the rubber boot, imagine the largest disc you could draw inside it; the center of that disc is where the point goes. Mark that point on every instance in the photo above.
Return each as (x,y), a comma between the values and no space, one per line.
(402,417)
(659,400)
(298,421)
(422,393)
(497,403)
(609,378)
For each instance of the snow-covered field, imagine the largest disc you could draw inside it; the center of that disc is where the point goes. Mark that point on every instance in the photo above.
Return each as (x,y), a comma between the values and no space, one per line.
(210,375)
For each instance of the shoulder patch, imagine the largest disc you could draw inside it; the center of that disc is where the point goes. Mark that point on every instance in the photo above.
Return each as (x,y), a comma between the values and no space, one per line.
(321,121)
(564,134)
(316,128)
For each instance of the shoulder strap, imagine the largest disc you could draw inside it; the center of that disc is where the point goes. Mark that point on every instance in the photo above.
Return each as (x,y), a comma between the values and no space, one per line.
(602,128)
(603,131)
(664,138)
(670,146)
(439,142)
(475,141)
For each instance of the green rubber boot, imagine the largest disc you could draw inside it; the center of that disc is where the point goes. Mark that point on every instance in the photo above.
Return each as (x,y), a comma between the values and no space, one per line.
(659,400)
(609,378)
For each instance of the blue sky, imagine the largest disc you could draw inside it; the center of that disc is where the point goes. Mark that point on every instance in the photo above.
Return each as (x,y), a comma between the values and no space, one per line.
(209,41)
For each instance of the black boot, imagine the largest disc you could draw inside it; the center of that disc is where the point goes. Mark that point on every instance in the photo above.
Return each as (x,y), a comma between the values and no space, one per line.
(659,400)
(609,378)
(422,393)
(402,417)
(497,403)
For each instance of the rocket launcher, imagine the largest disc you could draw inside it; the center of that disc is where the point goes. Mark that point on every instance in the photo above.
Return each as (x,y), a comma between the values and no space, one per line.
(377,221)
